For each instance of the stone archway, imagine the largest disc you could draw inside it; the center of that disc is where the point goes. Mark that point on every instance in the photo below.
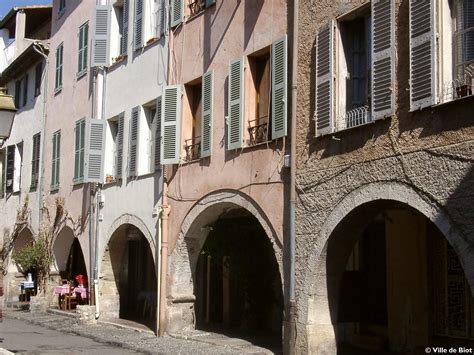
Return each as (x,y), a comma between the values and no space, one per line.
(61,247)
(315,310)
(193,234)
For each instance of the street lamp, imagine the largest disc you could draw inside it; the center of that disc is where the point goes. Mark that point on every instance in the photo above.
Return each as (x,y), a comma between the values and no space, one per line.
(7,113)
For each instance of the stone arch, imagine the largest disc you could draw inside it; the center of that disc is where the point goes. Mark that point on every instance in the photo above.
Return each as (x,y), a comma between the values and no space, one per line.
(25,237)
(314,309)
(191,238)
(61,247)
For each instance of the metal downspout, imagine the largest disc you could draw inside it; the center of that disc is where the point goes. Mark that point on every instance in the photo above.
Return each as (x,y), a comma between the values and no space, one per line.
(294,92)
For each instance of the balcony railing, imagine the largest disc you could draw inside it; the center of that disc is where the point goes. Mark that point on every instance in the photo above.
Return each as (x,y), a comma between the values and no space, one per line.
(356,117)
(195,7)
(458,88)
(192,148)
(258,132)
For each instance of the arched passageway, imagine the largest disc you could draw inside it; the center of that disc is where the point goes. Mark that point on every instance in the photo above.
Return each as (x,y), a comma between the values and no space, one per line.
(394,283)
(68,255)
(128,283)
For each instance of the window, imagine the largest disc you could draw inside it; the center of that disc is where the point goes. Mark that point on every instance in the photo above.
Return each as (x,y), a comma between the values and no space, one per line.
(101,41)
(119,25)
(79,151)
(355,68)
(114,149)
(62,7)
(35,159)
(2,172)
(18,93)
(10,169)
(258,97)
(194,7)
(38,77)
(82,49)
(59,68)
(148,22)
(55,160)
(25,90)
(150,115)
(192,120)
(21,92)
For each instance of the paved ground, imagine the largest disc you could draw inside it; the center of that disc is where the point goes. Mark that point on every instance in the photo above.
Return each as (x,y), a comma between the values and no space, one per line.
(54,333)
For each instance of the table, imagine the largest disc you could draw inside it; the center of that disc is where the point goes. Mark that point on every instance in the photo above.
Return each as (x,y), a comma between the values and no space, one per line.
(66,290)
(26,288)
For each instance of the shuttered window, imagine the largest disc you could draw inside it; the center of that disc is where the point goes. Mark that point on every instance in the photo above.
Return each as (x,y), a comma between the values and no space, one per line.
(55,160)
(58,83)
(134,133)
(17,93)
(17,167)
(235,118)
(38,78)
(35,159)
(82,49)
(383,52)
(464,40)
(324,80)
(422,53)
(160,18)
(10,169)
(79,147)
(279,88)
(101,45)
(94,159)
(124,40)
(207,108)
(177,12)
(62,7)
(25,90)
(156,161)
(171,125)
(119,151)
(138,25)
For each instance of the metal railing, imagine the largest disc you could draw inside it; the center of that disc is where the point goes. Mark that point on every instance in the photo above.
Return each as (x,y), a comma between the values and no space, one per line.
(192,147)
(195,7)
(356,117)
(258,132)
(458,88)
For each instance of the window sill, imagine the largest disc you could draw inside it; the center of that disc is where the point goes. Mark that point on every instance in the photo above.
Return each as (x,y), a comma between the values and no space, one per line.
(451,102)
(78,181)
(81,74)
(61,13)
(117,61)
(54,188)
(58,90)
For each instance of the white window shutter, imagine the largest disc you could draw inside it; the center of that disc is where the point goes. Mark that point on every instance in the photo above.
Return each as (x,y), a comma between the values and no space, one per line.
(160,11)
(17,169)
(324,80)
(157,136)
(133,150)
(119,169)
(95,144)
(383,63)
(235,117)
(422,53)
(101,47)
(138,28)
(177,12)
(171,125)
(124,44)
(207,108)
(279,88)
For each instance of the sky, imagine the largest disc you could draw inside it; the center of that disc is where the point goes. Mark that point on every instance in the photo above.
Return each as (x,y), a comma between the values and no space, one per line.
(6,5)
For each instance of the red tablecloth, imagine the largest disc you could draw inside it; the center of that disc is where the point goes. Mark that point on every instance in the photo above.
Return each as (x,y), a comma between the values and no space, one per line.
(64,290)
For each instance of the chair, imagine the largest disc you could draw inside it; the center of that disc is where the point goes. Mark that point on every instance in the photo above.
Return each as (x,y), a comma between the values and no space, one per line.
(70,299)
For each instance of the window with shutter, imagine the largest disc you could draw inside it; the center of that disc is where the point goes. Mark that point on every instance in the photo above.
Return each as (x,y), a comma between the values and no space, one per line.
(2,173)
(134,133)
(35,159)
(171,125)
(383,65)
(55,160)
(59,68)
(119,155)
(157,136)
(101,46)
(10,169)
(38,78)
(79,151)
(124,41)
(324,80)
(177,12)
(138,25)
(17,167)
(82,49)
(422,35)
(279,88)
(235,117)
(192,120)
(18,93)
(62,7)
(147,150)
(160,18)
(207,108)
(25,90)
(94,159)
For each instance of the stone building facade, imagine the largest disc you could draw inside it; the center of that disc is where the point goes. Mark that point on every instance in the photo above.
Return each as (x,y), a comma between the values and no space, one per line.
(385,255)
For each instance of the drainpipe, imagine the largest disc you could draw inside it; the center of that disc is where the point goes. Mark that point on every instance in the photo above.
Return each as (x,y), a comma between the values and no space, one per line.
(164,253)
(98,207)
(158,272)
(294,91)
(39,49)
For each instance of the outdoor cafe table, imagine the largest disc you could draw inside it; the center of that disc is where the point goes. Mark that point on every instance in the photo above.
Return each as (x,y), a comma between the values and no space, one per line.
(65,290)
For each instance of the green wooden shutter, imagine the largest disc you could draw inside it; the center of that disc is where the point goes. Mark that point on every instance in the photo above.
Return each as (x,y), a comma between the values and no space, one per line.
(383,54)
(59,67)
(171,125)
(25,90)
(138,28)
(35,159)
(124,44)
(157,136)
(207,107)
(79,150)
(101,47)
(119,157)
(324,80)
(56,160)
(94,160)
(235,118)
(82,48)
(279,88)
(134,133)
(177,12)
(422,53)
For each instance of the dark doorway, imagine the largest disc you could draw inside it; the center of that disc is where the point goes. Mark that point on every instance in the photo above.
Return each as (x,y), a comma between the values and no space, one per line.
(75,262)
(237,285)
